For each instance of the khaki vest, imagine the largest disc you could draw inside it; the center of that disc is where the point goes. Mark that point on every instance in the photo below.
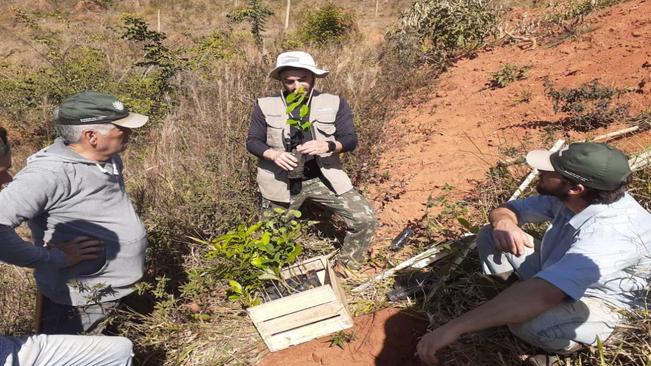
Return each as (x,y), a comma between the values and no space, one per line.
(272,179)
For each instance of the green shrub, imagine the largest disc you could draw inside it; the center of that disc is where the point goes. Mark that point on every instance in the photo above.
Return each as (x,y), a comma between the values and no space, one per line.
(507,74)
(329,24)
(437,31)
(250,256)
(570,14)
(256,14)
(587,107)
(215,47)
(524,97)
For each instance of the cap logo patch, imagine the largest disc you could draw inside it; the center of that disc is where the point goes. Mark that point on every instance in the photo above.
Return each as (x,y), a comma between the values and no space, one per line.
(91,119)
(118,105)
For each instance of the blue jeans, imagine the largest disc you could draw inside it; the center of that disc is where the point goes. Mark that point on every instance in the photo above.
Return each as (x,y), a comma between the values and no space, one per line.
(68,350)
(562,328)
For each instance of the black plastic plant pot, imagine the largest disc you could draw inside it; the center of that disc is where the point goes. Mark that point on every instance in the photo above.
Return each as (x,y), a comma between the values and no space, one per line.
(297,173)
(296,284)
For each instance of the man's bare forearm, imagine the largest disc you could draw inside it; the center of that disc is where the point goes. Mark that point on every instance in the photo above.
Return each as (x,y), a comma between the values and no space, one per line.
(518,303)
(502,214)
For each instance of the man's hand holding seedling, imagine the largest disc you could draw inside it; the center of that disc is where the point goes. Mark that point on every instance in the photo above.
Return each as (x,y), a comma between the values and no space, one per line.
(283,159)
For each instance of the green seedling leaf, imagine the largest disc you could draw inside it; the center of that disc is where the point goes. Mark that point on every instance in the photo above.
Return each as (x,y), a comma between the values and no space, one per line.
(235,286)
(258,262)
(234,297)
(292,122)
(279,210)
(291,107)
(266,238)
(306,126)
(291,97)
(467,225)
(269,274)
(297,214)
(305,110)
(293,255)
(253,228)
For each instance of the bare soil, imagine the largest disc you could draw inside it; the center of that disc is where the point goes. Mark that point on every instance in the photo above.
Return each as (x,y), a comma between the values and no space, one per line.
(463,128)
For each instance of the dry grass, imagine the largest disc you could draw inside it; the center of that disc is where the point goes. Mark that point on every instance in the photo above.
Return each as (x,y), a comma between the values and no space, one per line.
(17,300)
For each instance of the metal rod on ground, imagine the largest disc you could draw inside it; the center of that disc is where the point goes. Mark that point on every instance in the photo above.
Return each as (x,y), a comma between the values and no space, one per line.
(402,265)
(422,259)
(609,136)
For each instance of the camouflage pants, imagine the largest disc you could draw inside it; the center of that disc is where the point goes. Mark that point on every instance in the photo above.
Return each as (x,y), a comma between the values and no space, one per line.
(351,206)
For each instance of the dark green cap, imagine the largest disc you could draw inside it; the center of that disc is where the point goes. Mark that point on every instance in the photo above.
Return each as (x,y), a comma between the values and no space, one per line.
(594,165)
(96,108)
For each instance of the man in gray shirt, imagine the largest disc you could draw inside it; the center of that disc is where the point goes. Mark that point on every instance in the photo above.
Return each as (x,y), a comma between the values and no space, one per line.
(73,188)
(592,260)
(48,350)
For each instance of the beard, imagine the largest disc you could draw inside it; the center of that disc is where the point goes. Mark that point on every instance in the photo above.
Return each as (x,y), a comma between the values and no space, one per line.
(559,192)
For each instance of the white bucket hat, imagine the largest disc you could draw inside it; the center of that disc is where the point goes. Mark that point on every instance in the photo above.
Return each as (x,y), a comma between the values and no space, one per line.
(296,59)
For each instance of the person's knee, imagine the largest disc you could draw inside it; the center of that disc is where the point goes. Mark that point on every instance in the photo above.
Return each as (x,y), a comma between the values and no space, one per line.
(122,347)
(364,221)
(543,337)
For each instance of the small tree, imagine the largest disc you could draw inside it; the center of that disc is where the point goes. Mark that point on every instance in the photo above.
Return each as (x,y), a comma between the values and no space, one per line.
(256,13)
(328,24)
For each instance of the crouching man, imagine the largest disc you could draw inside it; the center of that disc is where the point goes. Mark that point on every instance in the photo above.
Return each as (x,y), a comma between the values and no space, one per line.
(592,260)
(323,181)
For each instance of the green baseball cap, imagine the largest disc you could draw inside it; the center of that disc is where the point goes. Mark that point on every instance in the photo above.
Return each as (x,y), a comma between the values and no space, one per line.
(96,108)
(594,165)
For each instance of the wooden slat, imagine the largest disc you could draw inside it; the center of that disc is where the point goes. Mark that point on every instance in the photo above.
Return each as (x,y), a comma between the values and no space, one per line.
(291,304)
(300,318)
(316,264)
(334,282)
(306,333)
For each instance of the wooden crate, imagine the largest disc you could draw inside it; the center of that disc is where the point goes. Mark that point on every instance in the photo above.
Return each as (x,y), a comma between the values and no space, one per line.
(306,315)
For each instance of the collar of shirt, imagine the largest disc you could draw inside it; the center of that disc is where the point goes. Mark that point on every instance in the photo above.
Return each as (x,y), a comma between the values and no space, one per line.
(580,218)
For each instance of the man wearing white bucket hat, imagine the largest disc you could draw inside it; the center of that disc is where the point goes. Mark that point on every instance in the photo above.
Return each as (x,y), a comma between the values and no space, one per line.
(323,181)
(592,260)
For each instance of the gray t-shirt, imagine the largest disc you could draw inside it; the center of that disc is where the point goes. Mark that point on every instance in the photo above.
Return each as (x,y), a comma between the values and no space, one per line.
(603,251)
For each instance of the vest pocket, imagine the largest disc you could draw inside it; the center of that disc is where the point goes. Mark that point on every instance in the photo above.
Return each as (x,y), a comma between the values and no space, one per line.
(325,129)
(275,127)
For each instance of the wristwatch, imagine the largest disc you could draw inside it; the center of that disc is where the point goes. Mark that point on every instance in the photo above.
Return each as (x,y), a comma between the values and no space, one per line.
(331,146)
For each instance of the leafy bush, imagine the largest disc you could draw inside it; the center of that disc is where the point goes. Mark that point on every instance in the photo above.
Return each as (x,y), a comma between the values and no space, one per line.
(256,14)
(587,107)
(30,93)
(507,74)
(437,31)
(329,24)
(570,14)
(251,255)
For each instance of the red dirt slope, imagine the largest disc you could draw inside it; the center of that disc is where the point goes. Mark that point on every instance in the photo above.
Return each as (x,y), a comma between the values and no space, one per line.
(455,136)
